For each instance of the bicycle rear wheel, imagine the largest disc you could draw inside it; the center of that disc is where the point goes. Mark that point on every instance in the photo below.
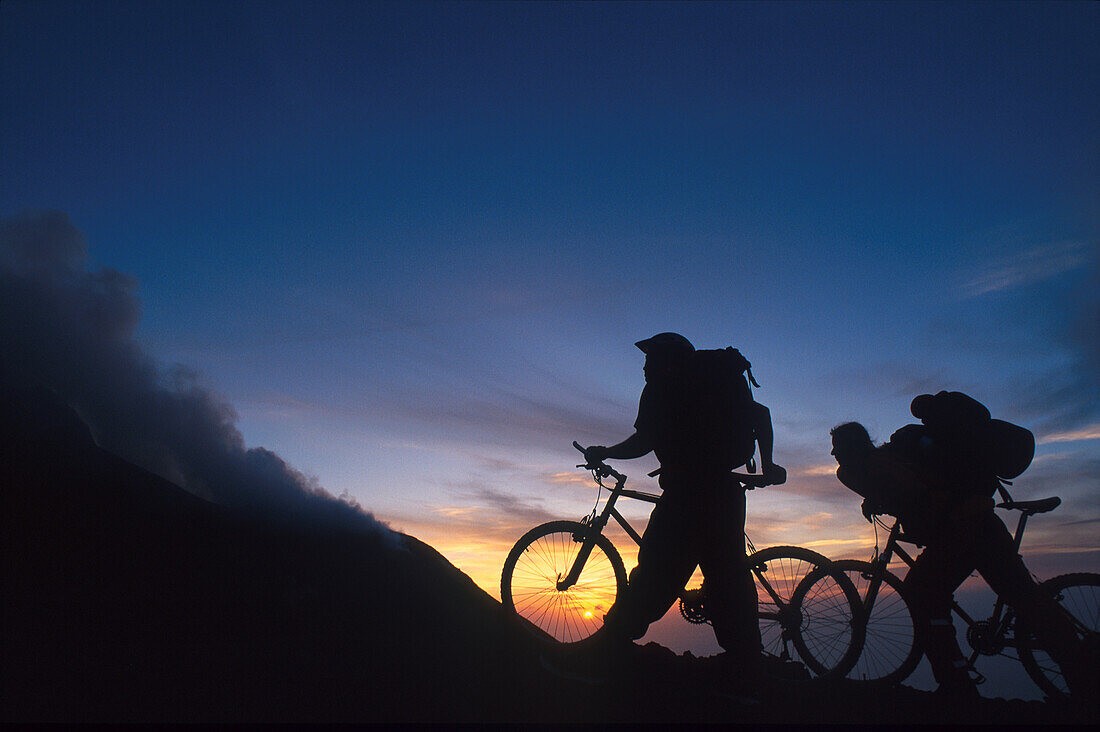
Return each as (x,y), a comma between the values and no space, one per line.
(890,643)
(1079,595)
(529,591)
(816,622)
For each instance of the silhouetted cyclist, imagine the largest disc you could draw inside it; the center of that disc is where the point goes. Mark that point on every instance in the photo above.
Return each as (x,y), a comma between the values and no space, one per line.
(942,495)
(700,517)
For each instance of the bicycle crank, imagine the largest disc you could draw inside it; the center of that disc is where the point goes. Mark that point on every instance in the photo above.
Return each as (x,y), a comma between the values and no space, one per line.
(693,606)
(985,638)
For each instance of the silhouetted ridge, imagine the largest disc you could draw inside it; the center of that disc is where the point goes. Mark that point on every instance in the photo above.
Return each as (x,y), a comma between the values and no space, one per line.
(127,598)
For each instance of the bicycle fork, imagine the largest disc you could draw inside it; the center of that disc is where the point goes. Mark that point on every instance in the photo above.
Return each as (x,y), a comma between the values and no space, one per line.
(570,579)
(595,528)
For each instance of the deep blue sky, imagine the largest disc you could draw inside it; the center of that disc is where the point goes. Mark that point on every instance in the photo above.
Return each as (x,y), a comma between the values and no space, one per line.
(413,243)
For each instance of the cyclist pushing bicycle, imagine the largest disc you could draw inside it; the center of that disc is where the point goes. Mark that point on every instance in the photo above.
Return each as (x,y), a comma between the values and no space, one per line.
(938,479)
(696,413)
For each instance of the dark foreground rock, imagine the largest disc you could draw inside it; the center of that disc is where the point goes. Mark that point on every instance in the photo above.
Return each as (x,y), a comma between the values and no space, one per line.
(657,685)
(127,599)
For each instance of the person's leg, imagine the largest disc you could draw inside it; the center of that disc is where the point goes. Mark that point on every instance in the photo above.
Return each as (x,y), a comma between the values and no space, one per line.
(930,585)
(731,591)
(666,560)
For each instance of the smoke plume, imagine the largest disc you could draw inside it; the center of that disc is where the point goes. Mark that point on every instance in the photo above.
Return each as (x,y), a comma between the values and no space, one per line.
(71,329)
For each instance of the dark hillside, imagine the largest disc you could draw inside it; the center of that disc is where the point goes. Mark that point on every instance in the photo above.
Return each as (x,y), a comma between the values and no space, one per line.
(126,598)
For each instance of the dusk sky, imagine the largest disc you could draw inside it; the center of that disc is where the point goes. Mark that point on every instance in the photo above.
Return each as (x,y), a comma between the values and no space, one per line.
(413,244)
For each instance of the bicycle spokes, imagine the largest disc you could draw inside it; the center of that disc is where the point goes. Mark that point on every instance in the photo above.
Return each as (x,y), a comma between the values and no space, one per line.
(562,599)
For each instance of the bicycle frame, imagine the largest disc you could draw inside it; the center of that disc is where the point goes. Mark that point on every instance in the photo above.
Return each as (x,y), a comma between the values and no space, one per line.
(596,526)
(557,583)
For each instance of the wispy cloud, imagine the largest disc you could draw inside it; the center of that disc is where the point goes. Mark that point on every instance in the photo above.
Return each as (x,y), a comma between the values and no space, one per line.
(860,542)
(570,479)
(1033,265)
(816,470)
(1082,523)
(1091,432)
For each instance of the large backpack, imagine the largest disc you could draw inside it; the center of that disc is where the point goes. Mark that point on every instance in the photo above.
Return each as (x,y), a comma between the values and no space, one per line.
(963,426)
(723,403)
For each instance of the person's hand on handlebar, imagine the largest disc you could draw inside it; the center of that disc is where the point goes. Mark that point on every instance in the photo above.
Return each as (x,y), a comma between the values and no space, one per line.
(774,474)
(870,509)
(595,454)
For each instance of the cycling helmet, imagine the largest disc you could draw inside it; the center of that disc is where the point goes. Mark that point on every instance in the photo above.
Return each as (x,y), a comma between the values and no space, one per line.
(672,343)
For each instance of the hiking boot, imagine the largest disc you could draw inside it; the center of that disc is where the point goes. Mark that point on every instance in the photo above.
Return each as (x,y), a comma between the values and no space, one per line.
(958,692)
(738,680)
(773,667)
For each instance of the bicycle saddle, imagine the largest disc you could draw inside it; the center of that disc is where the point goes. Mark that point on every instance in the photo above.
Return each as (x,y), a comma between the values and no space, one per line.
(1033,507)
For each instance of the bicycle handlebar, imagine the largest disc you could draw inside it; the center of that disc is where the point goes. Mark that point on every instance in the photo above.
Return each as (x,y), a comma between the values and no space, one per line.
(602,468)
(599,467)
(750,481)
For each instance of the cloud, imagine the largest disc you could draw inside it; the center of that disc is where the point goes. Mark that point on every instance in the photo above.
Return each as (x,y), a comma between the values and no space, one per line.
(1055,404)
(1065,399)
(512,505)
(817,470)
(1092,432)
(71,329)
(513,419)
(1084,522)
(1041,347)
(468,413)
(1034,265)
(573,478)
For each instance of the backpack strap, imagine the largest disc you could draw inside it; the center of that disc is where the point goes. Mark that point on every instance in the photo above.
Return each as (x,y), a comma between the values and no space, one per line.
(742,364)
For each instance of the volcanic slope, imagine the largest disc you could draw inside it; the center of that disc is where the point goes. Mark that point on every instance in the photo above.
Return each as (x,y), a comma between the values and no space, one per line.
(126,598)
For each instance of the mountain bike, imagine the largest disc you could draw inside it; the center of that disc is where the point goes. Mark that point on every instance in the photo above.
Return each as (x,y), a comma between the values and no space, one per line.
(561,578)
(891,644)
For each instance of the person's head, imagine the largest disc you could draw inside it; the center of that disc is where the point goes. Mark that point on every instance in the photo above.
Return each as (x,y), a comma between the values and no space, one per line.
(850,442)
(664,354)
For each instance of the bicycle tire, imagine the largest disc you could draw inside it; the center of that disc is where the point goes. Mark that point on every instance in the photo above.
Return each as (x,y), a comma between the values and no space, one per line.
(779,572)
(1079,595)
(890,642)
(528,584)
(828,637)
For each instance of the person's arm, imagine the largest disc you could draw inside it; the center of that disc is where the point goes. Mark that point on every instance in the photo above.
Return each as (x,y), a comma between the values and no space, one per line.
(632,447)
(762,429)
(898,489)
(856,481)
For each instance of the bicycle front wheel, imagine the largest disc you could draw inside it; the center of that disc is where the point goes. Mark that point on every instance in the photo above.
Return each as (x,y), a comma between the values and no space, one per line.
(829,635)
(1078,595)
(890,640)
(817,624)
(529,583)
